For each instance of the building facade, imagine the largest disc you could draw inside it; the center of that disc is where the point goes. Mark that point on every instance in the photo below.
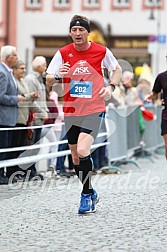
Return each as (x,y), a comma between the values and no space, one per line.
(135,30)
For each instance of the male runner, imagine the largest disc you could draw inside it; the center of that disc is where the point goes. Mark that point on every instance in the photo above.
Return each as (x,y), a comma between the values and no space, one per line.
(80,65)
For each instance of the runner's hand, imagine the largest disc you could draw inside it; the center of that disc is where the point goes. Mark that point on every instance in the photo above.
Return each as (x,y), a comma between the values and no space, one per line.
(105,93)
(64,69)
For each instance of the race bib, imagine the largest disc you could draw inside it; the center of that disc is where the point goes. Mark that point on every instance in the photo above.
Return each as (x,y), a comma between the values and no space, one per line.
(82,89)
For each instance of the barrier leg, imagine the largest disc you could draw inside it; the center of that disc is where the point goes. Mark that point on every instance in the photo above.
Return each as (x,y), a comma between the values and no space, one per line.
(142,153)
(126,161)
(109,167)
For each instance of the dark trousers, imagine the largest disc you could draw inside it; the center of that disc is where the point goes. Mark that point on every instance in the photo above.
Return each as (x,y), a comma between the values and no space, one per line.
(99,157)
(5,142)
(18,139)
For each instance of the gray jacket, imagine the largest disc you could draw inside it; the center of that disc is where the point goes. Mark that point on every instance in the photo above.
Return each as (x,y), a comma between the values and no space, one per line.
(35,84)
(28,105)
(8,98)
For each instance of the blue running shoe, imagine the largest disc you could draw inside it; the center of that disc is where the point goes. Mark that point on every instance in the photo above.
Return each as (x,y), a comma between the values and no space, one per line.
(85,204)
(95,200)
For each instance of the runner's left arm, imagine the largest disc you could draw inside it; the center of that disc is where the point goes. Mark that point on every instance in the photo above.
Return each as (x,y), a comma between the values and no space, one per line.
(113,67)
(115,72)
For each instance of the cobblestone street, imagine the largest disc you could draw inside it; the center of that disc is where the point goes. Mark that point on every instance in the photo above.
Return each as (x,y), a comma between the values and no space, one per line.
(131,215)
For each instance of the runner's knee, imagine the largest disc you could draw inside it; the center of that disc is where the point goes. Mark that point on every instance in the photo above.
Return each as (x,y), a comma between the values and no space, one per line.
(83,152)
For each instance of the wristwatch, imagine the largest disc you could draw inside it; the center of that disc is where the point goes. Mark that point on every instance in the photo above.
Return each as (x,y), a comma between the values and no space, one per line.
(57,77)
(112,86)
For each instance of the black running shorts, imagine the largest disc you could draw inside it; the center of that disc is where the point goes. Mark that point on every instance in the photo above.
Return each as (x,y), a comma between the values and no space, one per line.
(89,124)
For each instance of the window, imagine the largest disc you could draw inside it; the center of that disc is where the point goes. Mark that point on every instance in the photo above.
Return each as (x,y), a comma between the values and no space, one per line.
(153,3)
(121,3)
(91,4)
(34,4)
(64,4)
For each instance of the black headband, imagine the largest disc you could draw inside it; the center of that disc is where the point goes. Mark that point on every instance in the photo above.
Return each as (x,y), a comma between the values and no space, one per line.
(80,22)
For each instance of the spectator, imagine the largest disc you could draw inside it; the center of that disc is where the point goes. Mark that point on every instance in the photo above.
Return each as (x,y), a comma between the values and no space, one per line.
(48,132)
(19,138)
(99,154)
(144,89)
(9,99)
(117,97)
(60,132)
(130,93)
(35,83)
(58,89)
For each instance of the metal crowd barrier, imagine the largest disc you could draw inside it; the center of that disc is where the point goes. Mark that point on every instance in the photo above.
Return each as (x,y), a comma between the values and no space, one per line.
(28,158)
(150,139)
(133,128)
(125,137)
(116,127)
(122,134)
(151,135)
